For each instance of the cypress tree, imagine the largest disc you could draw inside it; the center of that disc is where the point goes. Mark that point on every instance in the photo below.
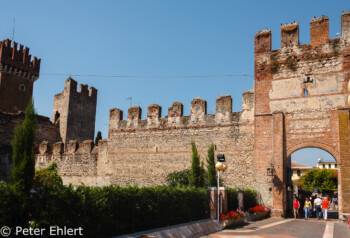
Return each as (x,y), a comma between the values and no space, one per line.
(195,174)
(23,151)
(98,137)
(212,178)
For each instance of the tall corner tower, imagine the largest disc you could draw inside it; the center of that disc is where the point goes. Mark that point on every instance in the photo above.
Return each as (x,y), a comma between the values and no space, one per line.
(17,76)
(75,112)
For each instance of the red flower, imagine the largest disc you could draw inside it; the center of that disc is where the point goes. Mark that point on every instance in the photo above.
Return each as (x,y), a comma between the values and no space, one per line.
(257,209)
(230,215)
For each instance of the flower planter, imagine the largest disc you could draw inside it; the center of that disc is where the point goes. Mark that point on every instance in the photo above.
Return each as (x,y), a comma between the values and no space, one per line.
(257,216)
(233,222)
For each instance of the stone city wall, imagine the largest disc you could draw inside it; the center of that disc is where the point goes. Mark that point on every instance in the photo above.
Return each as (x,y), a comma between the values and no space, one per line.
(45,131)
(299,100)
(144,152)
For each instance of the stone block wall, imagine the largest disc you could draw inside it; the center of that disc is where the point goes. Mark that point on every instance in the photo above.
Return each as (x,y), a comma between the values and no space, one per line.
(143,152)
(76,163)
(299,101)
(45,131)
(75,112)
(17,76)
(306,86)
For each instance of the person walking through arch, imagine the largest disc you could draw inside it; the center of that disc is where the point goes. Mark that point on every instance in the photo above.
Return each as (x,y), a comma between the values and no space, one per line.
(307,207)
(325,205)
(296,207)
(318,204)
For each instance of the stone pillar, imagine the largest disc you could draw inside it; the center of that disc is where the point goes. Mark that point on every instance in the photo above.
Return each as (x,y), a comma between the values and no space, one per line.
(213,201)
(343,171)
(279,180)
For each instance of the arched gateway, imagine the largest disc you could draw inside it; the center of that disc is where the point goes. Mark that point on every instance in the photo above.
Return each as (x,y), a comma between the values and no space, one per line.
(301,101)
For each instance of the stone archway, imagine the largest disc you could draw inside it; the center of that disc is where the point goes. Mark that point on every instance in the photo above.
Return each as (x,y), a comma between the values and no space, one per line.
(324,147)
(314,144)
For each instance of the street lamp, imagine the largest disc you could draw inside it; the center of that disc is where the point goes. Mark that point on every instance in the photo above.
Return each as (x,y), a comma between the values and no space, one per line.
(220,166)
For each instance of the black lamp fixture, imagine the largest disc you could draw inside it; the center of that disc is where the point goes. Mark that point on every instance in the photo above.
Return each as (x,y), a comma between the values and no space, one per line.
(221,158)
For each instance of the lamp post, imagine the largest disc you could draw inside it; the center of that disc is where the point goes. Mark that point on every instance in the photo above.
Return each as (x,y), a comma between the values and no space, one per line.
(220,165)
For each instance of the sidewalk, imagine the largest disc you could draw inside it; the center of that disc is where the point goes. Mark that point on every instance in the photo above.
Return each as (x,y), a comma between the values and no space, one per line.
(286,228)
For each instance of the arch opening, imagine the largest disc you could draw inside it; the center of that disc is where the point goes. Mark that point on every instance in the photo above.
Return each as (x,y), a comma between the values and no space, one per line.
(312,172)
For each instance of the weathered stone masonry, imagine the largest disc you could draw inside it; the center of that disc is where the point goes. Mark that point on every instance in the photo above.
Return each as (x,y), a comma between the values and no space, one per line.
(299,100)
(143,152)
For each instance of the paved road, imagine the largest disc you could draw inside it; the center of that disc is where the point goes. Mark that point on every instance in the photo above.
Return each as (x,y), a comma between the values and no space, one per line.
(287,228)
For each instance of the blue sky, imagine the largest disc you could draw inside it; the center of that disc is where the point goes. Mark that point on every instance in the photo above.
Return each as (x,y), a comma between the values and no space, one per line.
(153,38)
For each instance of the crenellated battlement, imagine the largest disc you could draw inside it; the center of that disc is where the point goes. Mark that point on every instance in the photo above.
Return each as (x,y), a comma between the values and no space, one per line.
(71,86)
(72,147)
(75,111)
(297,60)
(175,118)
(19,60)
(290,34)
(319,34)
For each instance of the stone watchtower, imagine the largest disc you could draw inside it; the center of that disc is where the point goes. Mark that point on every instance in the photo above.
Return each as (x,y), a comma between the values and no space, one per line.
(17,76)
(75,112)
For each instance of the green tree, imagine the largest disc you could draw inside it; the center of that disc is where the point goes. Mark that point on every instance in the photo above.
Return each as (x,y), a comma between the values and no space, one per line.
(23,151)
(324,180)
(98,137)
(47,176)
(195,173)
(212,178)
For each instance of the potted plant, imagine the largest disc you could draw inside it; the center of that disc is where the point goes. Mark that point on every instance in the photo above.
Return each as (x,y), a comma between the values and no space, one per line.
(231,218)
(258,212)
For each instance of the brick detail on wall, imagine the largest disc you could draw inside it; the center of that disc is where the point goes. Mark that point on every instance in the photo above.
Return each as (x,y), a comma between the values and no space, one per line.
(319,31)
(17,76)
(279,178)
(344,137)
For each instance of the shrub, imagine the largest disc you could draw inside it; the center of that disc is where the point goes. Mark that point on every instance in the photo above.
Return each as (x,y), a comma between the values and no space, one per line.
(180,178)
(249,199)
(105,211)
(232,201)
(11,201)
(47,177)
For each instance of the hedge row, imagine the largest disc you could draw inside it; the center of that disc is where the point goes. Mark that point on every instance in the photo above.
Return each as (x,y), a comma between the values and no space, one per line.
(110,210)
(249,199)
(105,211)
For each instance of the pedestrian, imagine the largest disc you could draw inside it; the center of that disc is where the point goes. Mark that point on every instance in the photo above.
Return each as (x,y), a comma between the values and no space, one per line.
(296,206)
(307,207)
(313,211)
(325,205)
(335,201)
(318,204)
